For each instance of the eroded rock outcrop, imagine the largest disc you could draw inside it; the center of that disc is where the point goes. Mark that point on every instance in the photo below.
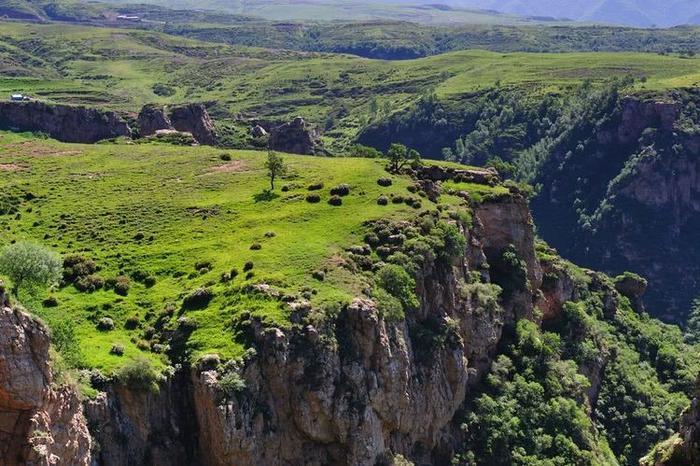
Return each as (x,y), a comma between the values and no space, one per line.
(63,122)
(194,118)
(295,137)
(191,118)
(152,119)
(40,424)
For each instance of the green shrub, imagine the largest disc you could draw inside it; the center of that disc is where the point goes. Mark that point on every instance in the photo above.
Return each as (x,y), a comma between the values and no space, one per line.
(389,307)
(163,90)
(132,322)
(399,284)
(105,324)
(340,190)
(198,299)
(89,283)
(66,343)
(51,301)
(30,266)
(231,383)
(139,374)
(76,266)
(122,285)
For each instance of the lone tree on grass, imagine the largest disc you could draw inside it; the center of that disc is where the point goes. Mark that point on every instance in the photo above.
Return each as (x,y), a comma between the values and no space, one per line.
(399,155)
(275,167)
(30,266)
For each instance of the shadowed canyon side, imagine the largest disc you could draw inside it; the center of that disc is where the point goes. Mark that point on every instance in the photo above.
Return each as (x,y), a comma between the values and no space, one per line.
(638,177)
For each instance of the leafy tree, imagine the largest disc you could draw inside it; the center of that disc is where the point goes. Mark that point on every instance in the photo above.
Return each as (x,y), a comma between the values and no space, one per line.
(415,158)
(30,265)
(398,156)
(275,167)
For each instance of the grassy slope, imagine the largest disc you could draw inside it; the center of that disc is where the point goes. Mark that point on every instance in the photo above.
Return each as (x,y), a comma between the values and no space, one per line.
(118,68)
(96,199)
(342,9)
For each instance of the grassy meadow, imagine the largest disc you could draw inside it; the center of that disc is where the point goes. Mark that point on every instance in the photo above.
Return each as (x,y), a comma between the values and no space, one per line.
(162,211)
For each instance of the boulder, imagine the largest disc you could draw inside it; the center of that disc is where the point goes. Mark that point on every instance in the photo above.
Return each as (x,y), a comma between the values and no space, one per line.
(258,131)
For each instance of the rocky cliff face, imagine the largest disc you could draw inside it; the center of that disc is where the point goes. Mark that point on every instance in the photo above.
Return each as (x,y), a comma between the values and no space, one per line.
(63,122)
(295,137)
(40,424)
(629,199)
(192,118)
(353,393)
(87,125)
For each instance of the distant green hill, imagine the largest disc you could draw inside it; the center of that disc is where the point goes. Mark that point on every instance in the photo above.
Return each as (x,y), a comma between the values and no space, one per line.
(120,68)
(354,10)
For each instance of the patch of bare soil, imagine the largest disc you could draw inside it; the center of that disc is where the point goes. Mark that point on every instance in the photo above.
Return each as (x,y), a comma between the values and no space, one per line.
(234,166)
(11,167)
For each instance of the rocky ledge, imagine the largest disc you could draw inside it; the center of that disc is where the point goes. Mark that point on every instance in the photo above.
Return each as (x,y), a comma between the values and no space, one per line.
(40,423)
(63,122)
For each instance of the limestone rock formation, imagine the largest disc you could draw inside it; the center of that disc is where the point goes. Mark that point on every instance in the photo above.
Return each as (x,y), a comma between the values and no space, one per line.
(63,122)
(349,394)
(39,424)
(295,137)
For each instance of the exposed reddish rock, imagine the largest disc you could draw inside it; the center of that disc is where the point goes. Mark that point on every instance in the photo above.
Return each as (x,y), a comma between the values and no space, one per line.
(39,424)
(63,122)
